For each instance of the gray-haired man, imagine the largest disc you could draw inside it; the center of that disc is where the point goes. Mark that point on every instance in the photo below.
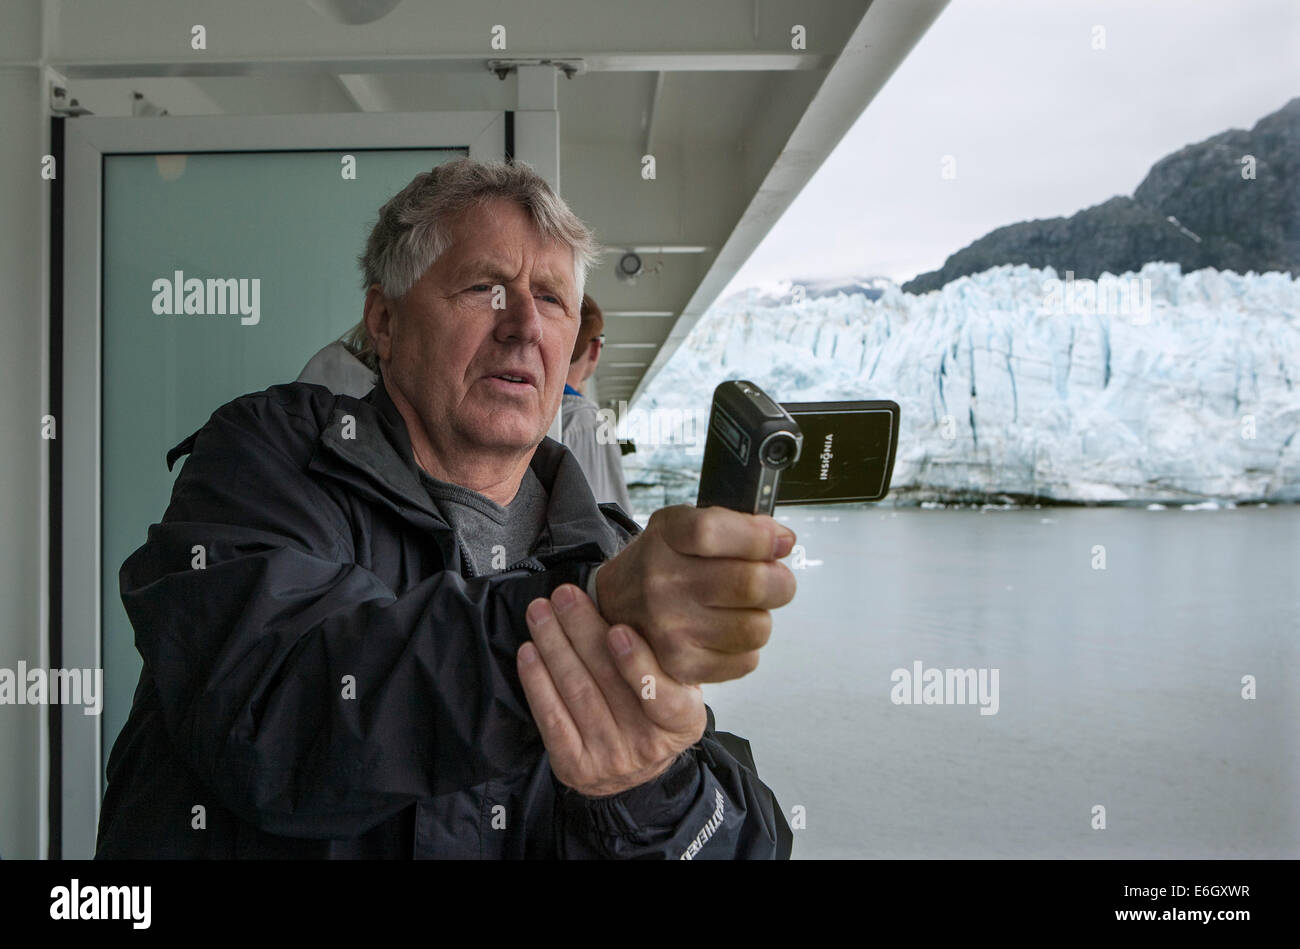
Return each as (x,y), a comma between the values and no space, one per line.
(390,652)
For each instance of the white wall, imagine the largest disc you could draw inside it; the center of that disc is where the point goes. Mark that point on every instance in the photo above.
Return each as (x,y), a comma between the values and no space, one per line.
(23,387)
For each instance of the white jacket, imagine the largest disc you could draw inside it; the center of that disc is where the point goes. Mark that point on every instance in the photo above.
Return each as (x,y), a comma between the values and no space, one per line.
(335,368)
(602,463)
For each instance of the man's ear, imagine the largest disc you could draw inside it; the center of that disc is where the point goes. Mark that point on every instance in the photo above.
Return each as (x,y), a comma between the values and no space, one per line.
(593,352)
(378,317)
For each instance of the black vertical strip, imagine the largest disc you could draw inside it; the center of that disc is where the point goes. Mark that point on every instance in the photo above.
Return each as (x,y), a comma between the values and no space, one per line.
(510,137)
(54,446)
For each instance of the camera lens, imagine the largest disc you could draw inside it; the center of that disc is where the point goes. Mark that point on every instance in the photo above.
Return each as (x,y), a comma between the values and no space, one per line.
(778,450)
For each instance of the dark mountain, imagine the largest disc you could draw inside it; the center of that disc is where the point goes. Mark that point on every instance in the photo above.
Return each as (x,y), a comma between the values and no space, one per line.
(1193,208)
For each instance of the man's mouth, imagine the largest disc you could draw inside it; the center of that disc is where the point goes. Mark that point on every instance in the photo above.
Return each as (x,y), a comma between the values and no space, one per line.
(516,378)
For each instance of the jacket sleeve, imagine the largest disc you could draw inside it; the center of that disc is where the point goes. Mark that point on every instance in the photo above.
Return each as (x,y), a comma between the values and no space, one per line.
(307,696)
(710,804)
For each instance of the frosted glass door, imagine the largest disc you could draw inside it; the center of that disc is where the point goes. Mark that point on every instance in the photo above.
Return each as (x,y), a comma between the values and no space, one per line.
(289,221)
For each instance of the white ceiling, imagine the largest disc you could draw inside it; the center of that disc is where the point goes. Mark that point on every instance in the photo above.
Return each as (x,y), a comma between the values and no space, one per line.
(737,120)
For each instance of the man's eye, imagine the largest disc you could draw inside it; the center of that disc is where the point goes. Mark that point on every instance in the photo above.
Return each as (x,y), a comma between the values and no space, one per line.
(481,287)
(551,298)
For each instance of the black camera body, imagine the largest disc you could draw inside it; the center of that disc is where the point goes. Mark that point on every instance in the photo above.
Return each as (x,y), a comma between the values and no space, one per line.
(751,441)
(755,457)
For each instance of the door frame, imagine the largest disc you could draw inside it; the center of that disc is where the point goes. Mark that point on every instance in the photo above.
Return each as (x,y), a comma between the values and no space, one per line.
(487,136)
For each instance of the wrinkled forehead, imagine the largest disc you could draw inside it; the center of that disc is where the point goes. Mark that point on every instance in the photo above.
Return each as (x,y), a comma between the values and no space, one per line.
(488,238)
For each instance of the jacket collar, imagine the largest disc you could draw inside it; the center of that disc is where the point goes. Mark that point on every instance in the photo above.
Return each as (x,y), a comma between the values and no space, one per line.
(365,445)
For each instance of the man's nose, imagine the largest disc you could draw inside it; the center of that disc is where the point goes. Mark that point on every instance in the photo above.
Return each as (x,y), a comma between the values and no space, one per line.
(519,319)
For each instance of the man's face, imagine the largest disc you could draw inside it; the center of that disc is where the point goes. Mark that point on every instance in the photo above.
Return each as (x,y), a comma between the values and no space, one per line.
(446,346)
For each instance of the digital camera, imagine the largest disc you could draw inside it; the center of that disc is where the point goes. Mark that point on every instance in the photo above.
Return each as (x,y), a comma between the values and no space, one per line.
(755,455)
(750,441)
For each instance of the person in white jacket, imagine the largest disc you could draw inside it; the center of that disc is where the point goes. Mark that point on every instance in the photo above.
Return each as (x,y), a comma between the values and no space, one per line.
(596,448)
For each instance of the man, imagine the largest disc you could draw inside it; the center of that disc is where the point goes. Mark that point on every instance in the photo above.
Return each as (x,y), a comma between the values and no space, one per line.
(594,446)
(363,621)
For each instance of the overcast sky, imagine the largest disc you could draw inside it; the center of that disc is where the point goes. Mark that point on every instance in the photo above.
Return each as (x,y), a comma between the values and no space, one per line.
(1039,123)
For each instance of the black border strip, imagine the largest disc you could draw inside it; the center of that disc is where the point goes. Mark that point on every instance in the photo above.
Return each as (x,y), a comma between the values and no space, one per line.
(54,446)
(510,137)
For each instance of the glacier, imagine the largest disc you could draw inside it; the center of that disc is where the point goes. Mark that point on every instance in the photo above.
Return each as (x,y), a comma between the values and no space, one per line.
(1011,389)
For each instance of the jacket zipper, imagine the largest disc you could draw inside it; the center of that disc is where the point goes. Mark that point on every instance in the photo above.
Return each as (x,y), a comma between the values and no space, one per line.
(533,565)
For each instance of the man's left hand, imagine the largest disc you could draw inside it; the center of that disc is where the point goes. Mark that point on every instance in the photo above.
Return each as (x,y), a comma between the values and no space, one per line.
(609,716)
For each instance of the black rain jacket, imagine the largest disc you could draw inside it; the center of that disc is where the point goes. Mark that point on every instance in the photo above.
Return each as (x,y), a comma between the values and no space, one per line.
(295,565)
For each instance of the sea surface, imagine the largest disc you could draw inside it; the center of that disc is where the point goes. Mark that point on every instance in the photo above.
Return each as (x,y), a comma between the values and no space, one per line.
(1118,688)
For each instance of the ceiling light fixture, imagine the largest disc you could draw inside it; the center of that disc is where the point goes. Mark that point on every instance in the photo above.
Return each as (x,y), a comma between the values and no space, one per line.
(354,12)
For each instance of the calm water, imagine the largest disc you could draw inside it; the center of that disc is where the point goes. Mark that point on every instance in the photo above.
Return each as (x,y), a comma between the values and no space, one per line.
(1119,687)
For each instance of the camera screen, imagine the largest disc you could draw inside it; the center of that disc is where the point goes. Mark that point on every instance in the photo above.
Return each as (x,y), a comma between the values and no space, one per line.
(848,453)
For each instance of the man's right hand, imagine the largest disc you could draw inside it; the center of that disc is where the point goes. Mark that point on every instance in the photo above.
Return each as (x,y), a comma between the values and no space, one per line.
(699,584)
